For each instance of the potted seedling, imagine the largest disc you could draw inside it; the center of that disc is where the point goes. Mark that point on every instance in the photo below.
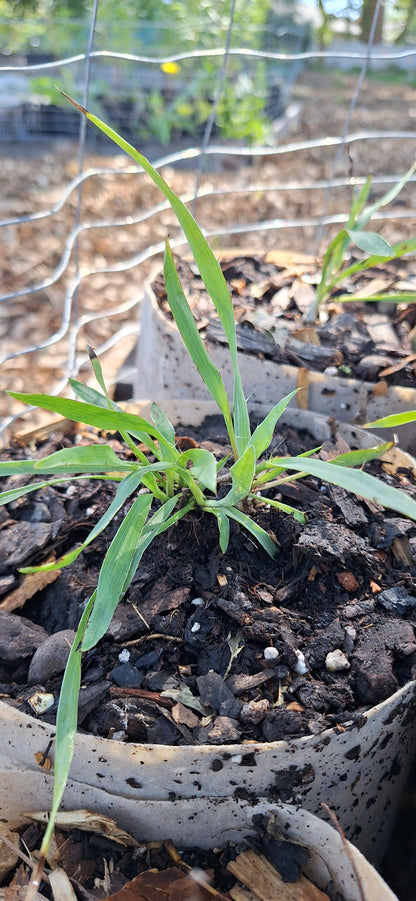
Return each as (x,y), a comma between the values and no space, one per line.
(352,360)
(225,515)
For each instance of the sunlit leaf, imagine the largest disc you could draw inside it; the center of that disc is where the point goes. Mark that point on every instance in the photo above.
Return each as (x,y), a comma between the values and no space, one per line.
(390,422)
(203,466)
(355,480)
(370,242)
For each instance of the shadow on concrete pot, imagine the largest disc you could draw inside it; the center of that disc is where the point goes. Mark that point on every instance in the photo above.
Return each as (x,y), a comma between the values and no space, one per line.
(358,770)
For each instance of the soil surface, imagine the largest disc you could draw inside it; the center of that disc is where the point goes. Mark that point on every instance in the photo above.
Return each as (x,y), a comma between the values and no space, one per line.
(34,177)
(210,648)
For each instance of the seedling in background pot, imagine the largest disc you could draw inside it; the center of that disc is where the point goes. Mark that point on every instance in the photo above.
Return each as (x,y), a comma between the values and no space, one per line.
(158,483)
(376,249)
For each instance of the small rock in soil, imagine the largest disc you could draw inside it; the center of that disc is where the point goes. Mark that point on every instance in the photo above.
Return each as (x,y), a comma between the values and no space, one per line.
(24,540)
(397,600)
(322,537)
(254,711)
(51,657)
(213,691)
(336,661)
(222,730)
(19,637)
(280,723)
(126,676)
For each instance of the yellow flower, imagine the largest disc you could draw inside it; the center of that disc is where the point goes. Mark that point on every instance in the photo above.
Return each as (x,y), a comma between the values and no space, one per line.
(170,68)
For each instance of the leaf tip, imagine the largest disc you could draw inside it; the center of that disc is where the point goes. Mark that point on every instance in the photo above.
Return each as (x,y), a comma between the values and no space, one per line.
(74,102)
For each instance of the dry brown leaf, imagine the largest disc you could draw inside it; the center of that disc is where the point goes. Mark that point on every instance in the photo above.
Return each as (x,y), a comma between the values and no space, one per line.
(162,885)
(30,585)
(87,821)
(308,334)
(61,887)
(380,389)
(260,876)
(302,397)
(390,370)
(184,715)
(17,889)
(8,856)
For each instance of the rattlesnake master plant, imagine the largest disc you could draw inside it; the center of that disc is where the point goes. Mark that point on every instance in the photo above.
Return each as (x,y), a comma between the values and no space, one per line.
(158,482)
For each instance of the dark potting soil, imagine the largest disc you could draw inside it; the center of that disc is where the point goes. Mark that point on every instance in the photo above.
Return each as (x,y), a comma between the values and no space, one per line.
(205,647)
(359,340)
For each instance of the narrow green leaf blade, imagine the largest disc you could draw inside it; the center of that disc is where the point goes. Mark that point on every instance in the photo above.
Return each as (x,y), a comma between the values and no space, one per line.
(223,527)
(187,327)
(66,723)
(390,422)
(242,475)
(262,436)
(89,414)
(163,424)
(208,265)
(387,198)
(6,497)
(285,508)
(115,570)
(354,480)
(91,458)
(261,536)
(362,456)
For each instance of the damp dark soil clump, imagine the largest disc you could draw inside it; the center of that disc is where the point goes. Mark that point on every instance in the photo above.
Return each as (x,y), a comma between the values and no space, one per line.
(205,647)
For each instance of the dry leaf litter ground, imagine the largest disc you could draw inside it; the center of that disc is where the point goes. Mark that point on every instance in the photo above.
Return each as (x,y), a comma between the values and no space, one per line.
(34,176)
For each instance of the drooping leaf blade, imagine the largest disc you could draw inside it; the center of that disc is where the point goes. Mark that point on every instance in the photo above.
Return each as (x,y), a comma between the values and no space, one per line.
(208,265)
(261,536)
(392,421)
(66,722)
(115,570)
(88,458)
(355,480)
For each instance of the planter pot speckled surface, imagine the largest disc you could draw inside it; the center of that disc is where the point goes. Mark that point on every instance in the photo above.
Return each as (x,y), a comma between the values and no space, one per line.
(334,863)
(358,769)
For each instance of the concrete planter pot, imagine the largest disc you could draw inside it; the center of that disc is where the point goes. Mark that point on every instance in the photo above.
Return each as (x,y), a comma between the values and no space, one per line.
(332,861)
(190,791)
(163,370)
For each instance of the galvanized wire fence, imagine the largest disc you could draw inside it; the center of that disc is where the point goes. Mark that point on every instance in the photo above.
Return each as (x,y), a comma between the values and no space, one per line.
(74,263)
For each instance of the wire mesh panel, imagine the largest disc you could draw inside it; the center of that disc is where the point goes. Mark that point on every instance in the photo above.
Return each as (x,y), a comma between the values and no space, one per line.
(80,226)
